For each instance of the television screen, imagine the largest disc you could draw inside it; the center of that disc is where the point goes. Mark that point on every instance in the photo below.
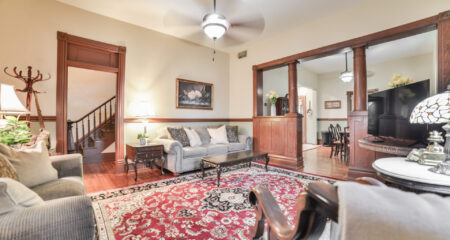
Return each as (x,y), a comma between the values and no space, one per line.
(389,111)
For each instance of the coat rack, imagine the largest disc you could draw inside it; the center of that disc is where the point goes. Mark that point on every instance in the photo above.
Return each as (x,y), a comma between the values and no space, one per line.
(29,81)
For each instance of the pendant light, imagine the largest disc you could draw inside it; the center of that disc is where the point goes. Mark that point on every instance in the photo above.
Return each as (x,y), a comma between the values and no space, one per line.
(346,76)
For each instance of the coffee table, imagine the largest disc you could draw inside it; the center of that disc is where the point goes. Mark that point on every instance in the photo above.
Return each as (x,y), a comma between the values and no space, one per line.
(232,159)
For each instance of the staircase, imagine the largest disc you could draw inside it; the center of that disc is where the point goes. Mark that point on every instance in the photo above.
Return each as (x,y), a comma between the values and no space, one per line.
(93,132)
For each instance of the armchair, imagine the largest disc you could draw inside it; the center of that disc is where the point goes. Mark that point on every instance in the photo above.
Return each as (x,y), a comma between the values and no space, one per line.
(65,212)
(318,203)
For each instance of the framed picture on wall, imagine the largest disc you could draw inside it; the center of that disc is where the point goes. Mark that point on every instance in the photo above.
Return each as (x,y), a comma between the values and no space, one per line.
(333,104)
(194,95)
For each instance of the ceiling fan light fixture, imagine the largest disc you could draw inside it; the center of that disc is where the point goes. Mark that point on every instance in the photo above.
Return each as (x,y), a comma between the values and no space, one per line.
(215,25)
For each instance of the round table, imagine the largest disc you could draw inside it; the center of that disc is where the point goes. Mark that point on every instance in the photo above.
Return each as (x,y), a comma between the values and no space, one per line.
(411,175)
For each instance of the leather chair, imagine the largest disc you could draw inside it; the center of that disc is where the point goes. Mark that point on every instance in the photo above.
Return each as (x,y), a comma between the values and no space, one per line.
(315,205)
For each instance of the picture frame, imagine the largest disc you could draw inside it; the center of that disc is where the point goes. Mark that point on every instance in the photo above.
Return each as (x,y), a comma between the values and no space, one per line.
(194,95)
(335,104)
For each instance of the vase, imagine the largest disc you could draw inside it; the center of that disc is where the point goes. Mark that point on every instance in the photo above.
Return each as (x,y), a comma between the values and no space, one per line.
(273,110)
(143,141)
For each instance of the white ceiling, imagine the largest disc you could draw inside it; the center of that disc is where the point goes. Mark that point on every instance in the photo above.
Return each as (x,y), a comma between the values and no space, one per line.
(401,48)
(182,18)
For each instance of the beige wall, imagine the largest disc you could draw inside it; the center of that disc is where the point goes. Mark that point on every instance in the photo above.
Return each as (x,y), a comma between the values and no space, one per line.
(153,60)
(361,19)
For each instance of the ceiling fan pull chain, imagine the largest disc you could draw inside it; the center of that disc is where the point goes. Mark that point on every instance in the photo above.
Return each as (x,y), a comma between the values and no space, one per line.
(214,50)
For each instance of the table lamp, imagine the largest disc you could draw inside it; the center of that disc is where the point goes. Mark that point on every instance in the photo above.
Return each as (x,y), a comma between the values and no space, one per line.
(9,103)
(434,110)
(144,110)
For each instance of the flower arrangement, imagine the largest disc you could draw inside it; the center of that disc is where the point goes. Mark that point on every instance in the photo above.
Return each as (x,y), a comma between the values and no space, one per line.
(399,80)
(272,96)
(15,132)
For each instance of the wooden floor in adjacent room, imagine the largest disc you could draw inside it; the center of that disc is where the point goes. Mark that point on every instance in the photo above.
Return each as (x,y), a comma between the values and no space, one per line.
(109,174)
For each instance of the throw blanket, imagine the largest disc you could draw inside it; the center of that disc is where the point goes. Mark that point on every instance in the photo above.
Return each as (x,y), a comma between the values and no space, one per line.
(371,212)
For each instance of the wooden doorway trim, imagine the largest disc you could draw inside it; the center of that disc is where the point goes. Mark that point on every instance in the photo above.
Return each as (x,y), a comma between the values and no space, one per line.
(302,99)
(89,54)
(349,98)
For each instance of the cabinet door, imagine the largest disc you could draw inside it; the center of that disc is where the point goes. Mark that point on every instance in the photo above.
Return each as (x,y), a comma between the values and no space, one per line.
(265,136)
(278,136)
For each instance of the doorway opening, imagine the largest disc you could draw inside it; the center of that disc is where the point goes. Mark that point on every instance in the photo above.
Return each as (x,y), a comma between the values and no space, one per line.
(91,105)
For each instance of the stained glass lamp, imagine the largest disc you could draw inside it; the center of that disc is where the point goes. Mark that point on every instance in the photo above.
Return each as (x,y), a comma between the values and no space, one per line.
(435,110)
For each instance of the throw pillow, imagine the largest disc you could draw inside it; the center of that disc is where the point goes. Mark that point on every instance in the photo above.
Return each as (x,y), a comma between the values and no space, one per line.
(232,134)
(218,135)
(6,169)
(14,196)
(33,165)
(178,134)
(194,138)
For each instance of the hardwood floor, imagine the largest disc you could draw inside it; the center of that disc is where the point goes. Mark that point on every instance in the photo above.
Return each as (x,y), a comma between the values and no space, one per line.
(109,174)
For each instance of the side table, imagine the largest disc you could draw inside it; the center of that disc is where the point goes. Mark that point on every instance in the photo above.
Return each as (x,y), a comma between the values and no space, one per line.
(411,175)
(145,154)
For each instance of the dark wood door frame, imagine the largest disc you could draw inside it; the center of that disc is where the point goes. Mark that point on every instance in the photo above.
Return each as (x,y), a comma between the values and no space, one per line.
(303,100)
(80,52)
(349,98)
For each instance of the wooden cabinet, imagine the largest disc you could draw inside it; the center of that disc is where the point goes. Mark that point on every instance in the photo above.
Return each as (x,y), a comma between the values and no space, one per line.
(281,137)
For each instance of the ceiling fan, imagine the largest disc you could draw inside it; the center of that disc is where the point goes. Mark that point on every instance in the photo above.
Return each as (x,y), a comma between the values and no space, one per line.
(228,24)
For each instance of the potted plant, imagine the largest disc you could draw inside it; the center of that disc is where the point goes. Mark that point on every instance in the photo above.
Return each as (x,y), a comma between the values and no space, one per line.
(142,138)
(272,96)
(399,80)
(14,133)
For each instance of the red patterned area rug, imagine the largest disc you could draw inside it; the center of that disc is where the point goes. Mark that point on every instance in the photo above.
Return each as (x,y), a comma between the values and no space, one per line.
(188,207)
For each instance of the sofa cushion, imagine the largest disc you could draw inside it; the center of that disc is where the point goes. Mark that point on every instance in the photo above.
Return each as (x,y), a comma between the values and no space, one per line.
(216,149)
(232,134)
(33,165)
(14,196)
(6,169)
(62,187)
(194,138)
(218,135)
(204,135)
(179,135)
(234,147)
(194,152)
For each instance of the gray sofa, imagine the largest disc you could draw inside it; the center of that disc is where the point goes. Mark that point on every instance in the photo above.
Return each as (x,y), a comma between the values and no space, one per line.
(181,159)
(66,213)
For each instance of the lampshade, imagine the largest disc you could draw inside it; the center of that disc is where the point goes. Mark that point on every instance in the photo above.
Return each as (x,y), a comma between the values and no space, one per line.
(143,109)
(9,102)
(215,25)
(433,110)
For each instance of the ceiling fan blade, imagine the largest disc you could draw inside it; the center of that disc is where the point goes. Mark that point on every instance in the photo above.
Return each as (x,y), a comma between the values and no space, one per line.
(228,7)
(180,19)
(229,40)
(255,24)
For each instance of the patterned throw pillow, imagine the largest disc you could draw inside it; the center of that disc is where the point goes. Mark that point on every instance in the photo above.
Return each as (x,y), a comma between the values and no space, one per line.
(178,134)
(232,134)
(6,169)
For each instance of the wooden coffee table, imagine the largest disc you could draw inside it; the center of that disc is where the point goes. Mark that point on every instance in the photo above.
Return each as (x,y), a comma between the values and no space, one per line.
(232,159)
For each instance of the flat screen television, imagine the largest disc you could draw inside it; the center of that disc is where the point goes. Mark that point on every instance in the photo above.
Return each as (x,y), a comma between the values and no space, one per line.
(389,111)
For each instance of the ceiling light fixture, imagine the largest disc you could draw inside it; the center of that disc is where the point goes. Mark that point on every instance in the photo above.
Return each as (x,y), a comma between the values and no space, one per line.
(346,76)
(215,25)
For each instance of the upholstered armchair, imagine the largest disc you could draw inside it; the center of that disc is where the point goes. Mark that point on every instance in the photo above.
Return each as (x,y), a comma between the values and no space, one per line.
(315,205)
(356,211)
(58,209)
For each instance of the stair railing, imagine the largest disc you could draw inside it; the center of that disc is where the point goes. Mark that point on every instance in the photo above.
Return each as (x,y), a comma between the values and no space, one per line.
(73,144)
